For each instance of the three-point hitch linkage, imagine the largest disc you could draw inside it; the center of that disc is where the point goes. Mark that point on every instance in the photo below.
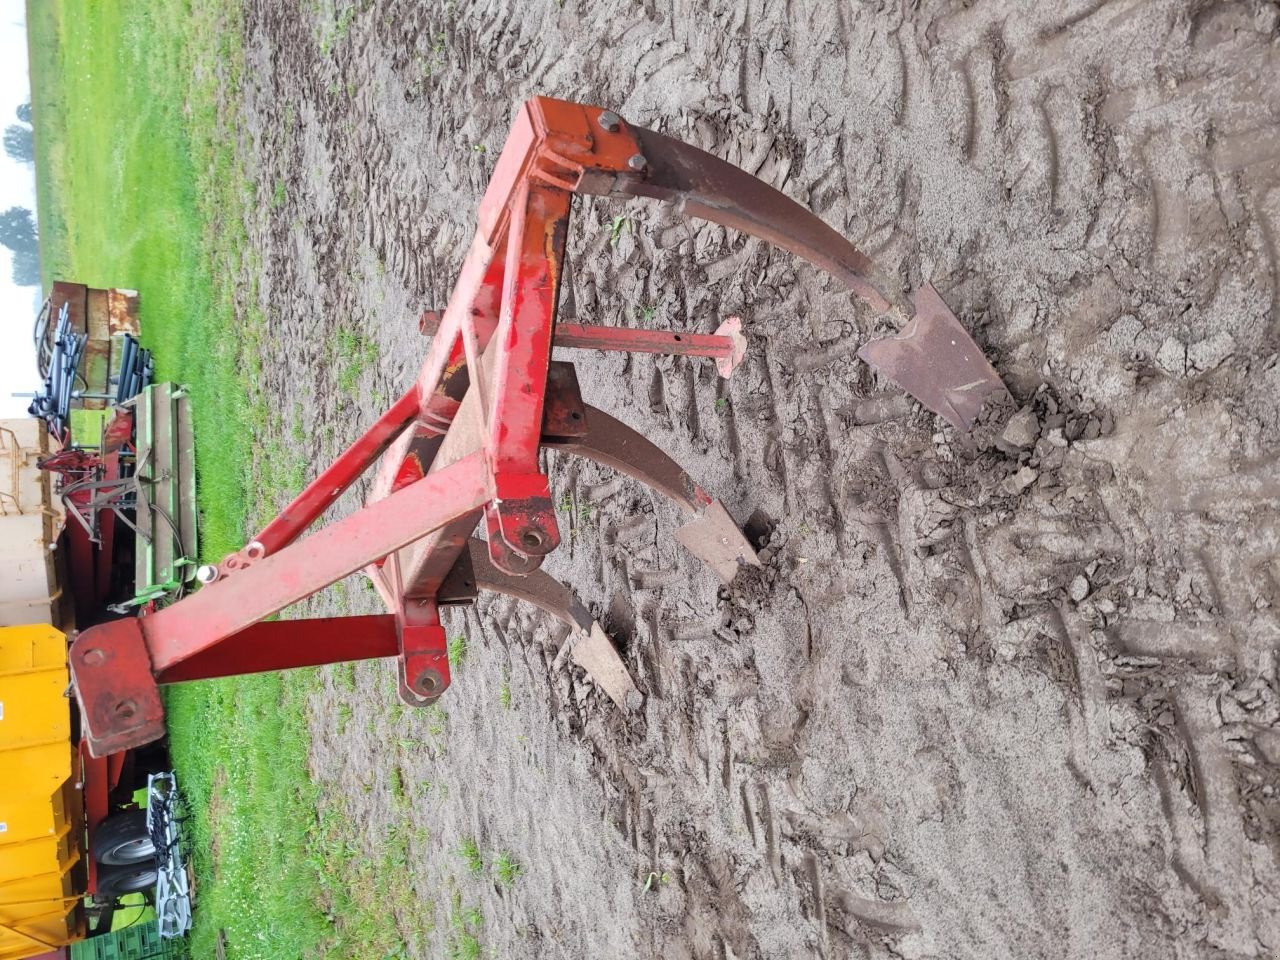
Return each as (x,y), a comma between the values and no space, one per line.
(460,449)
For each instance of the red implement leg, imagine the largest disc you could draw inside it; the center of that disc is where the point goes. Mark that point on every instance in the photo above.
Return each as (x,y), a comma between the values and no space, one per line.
(424,655)
(521,518)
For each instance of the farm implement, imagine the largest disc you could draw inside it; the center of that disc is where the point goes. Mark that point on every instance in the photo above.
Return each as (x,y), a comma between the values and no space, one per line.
(460,450)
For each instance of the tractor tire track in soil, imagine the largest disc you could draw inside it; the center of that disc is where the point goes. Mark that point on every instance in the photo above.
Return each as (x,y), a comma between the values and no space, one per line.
(1015,696)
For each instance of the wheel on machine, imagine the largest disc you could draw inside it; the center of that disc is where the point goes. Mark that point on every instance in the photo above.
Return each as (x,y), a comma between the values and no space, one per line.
(123,839)
(129,878)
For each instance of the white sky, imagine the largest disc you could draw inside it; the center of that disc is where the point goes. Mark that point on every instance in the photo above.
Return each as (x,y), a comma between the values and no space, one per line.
(17,188)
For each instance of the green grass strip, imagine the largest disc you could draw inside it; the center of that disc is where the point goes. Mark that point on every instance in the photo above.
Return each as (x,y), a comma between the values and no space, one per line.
(139,187)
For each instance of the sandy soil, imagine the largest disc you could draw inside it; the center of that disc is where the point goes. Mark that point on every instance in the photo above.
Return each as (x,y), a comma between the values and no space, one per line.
(988,700)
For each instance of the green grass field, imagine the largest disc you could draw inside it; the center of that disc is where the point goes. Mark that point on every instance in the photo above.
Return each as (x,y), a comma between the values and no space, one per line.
(138,188)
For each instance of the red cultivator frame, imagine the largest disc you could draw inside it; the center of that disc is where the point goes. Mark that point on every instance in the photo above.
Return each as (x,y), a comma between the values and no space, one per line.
(462,445)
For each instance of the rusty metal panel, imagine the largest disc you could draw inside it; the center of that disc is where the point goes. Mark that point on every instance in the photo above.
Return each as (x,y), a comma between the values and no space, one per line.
(96,363)
(97,321)
(74,296)
(122,311)
(564,415)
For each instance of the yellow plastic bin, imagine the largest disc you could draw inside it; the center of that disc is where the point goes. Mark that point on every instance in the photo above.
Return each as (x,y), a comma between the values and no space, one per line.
(41,826)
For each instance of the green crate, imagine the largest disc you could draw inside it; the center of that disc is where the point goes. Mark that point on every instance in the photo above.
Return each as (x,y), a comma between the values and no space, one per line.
(141,941)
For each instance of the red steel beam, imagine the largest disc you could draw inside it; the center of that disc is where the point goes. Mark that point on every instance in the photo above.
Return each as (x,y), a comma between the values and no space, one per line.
(631,340)
(95,774)
(286,644)
(325,557)
(587,336)
(521,515)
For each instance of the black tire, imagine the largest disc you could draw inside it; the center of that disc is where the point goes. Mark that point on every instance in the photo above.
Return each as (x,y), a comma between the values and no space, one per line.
(134,877)
(123,839)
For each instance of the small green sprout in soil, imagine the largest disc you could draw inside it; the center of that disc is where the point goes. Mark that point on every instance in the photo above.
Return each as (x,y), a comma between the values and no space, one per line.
(457,650)
(470,852)
(506,869)
(617,226)
(655,877)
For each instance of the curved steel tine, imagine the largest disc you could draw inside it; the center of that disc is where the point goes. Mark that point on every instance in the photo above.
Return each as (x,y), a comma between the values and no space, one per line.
(934,358)
(538,588)
(704,186)
(712,535)
(587,644)
(611,442)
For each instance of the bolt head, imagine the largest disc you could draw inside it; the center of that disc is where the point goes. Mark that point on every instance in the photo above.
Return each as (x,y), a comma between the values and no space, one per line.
(610,121)
(637,162)
(207,573)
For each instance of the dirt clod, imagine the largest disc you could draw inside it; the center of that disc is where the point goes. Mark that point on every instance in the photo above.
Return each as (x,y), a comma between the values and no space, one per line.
(1021,432)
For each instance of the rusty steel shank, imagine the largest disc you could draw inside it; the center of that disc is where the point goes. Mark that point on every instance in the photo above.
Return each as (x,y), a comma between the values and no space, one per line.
(934,359)
(461,449)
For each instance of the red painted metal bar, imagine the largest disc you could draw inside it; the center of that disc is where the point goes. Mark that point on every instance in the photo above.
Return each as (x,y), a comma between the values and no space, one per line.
(586,336)
(631,340)
(521,517)
(320,494)
(424,656)
(100,776)
(95,774)
(106,530)
(287,644)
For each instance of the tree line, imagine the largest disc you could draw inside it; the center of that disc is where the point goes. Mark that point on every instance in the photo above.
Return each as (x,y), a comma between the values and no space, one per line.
(18,224)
